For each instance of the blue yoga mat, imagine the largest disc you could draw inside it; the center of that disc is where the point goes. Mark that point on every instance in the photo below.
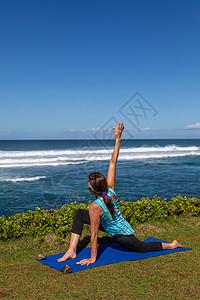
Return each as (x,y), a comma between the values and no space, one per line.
(106,254)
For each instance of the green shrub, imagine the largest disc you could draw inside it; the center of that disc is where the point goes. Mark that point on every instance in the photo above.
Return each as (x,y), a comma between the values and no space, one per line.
(181,205)
(59,221)
(145,210)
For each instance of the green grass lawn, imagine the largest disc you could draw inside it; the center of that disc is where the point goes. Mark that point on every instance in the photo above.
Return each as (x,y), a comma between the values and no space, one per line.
(173,276)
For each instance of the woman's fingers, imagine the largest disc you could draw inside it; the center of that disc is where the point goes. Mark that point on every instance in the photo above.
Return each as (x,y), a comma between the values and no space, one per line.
(83,262)
(120,127)
(119,130)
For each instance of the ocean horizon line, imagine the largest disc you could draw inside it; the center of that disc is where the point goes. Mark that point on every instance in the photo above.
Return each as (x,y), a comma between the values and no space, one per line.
(96,139)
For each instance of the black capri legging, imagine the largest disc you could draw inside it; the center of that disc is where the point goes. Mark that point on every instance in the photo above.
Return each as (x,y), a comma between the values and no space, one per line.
(129,242)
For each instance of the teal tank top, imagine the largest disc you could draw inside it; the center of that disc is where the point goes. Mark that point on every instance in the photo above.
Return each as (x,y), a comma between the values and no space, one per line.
(113,223)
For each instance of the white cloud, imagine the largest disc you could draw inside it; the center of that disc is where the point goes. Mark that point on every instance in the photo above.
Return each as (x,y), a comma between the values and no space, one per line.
(148,129)
(94,129)
(71,130)
(6,132)
(82,130)
(192,126)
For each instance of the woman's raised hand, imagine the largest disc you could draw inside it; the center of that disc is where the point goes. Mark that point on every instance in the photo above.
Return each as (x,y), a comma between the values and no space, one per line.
(120,128)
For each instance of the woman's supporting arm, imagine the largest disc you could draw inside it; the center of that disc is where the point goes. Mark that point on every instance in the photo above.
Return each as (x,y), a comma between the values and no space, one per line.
(113,161)
(95,212)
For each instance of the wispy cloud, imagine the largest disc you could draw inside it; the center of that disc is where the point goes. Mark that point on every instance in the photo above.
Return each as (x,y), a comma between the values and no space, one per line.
(148,129)
(6,132)
(192,126)
(71,130)
(88,130)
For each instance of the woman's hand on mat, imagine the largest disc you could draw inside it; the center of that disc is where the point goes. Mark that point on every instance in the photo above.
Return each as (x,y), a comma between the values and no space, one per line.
(118,133)
(86,261)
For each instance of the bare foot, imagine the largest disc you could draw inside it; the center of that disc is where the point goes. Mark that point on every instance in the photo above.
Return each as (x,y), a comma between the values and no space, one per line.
(175,244)
(172,245)
(68,254)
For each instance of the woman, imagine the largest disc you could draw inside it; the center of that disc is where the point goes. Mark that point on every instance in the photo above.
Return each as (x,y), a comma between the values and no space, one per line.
(104,214)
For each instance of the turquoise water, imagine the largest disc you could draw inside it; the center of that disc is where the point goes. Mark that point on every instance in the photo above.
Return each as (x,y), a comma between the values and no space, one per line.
(50,173)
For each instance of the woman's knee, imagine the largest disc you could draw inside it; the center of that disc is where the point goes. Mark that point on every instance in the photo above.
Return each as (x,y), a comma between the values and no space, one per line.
(147,247)
(81,215)
(78,213)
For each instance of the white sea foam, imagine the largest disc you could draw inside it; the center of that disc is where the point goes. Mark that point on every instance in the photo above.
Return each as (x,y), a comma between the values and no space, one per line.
(36,164)
(23,179)
(157,155)
(18,159)
(170,148)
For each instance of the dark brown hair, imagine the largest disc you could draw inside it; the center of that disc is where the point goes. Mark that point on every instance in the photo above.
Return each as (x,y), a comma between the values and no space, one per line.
(98,185)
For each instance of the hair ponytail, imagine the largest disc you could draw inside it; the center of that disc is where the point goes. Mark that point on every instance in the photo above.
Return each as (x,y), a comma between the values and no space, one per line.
(98,184)
(109,204)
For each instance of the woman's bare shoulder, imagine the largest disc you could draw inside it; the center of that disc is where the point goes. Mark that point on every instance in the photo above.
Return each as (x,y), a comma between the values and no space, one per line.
(95,208)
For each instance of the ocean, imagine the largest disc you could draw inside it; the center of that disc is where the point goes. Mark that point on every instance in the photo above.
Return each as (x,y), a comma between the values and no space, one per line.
(50,173)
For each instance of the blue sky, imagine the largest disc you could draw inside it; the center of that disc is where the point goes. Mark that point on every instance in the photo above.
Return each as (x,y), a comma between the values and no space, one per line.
(67,68)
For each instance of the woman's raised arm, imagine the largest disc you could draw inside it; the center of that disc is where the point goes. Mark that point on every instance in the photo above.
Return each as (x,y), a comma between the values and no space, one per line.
(113,161)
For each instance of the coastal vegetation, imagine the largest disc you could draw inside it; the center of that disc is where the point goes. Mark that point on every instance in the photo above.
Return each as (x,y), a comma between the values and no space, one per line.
(40,222)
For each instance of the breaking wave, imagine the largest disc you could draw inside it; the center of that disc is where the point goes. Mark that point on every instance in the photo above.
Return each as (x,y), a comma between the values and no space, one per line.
(22,159)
